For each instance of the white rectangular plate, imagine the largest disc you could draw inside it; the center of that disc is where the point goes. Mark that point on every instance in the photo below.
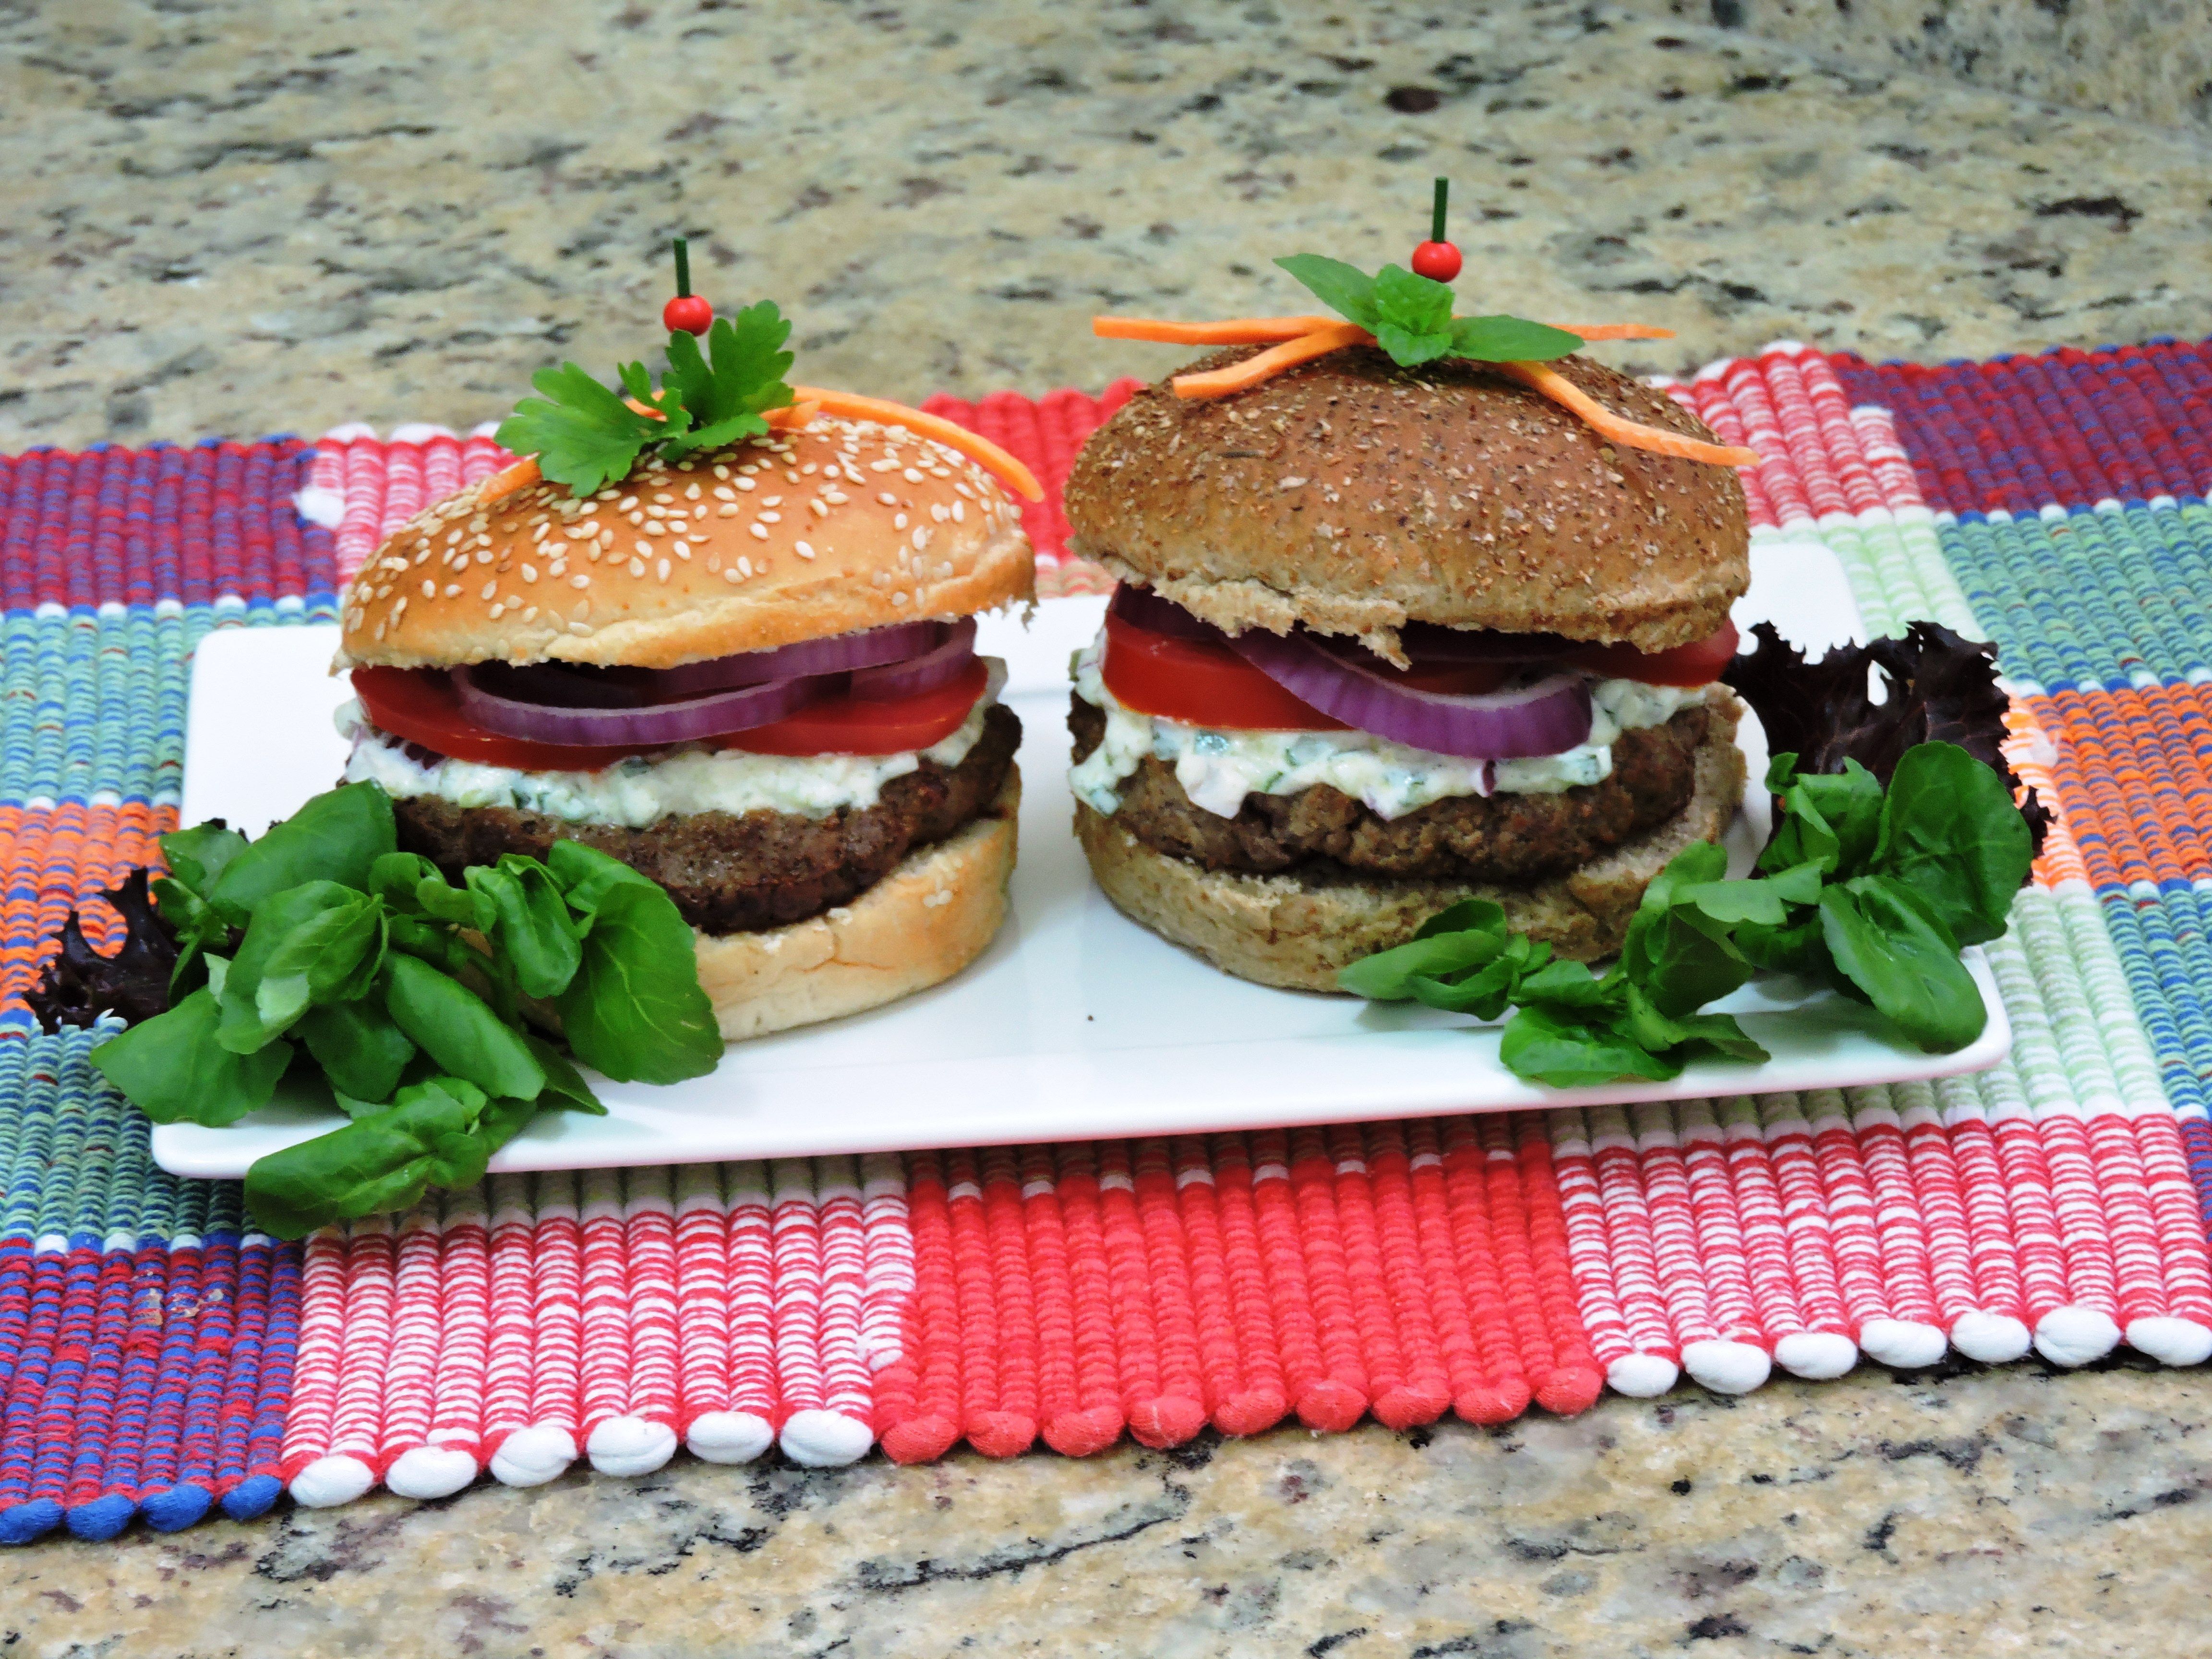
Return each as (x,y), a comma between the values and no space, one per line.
(1076,1022)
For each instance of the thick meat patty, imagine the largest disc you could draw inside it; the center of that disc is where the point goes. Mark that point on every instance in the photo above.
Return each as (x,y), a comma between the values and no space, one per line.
(1499,838)
(742,872)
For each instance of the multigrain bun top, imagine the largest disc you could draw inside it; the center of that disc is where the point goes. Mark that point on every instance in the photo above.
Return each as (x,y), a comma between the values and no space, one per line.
(844,526)
(1354,496)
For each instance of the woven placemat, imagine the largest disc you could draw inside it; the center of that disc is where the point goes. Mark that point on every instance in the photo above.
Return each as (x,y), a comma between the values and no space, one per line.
(156,1358)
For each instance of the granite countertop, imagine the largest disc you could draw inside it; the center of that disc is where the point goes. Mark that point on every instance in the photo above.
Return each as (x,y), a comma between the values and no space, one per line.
(235,219)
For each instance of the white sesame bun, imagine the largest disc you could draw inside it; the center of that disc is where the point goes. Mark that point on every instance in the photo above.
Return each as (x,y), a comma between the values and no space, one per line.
(844,526)
(921,924)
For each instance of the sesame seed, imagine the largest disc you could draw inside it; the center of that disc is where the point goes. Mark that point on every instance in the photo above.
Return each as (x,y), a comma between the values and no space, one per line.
(655,528)
(580,628)
(637,565)
(489,588)
(581,609)
(700,511)
(728,510)
(938,512)
(771,517)
(743,484)
(662,569)
(911,475)
(399,608)
(496,612)
(429,590)
(662,495)
(530,613)
(539,535)
(453,537)
(682,549)
(959,512)
(788,474)
(898,520)
(558,567)
(817,509)
(806,551)
(725,492)
(637,518)
(580,579)
(483,556)
(645,548)
(920,537)
(625,504)
(721,472)
(940,472)
(530,573)
(835,497)
(963,489)
(809,467)
(731,574)
(883,466)
(771,500)
(760,532)
(898,598)
(744,566)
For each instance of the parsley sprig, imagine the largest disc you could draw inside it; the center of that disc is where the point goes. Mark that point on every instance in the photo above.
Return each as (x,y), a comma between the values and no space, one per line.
(1411,316)
(584,434)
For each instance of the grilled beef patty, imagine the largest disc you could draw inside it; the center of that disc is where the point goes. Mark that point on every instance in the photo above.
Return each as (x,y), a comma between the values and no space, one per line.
(742,872)
(1512,839)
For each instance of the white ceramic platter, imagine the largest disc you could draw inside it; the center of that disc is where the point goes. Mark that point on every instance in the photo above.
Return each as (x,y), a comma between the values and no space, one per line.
(1076,1022)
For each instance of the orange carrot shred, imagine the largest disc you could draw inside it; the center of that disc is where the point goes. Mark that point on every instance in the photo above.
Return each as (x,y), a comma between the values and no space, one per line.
(950,433)
(1616,330)
(1266,365)
(503,483)
(1544,379)
(1231,330)
(793,417)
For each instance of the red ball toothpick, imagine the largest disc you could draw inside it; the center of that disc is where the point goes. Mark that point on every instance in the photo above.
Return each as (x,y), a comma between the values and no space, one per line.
(688,313)
(1435,259)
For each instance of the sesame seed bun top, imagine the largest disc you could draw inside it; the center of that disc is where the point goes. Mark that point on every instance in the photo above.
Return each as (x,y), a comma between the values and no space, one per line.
(1354,497)
(843,526)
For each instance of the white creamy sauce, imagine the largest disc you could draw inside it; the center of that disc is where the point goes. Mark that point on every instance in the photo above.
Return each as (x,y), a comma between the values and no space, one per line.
(1218,768)
(641,791)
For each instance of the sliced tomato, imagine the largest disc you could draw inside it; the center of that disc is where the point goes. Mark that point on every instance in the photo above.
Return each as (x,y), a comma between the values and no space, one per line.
(846,724)
(1696,663)
(1199,682)
(422,705)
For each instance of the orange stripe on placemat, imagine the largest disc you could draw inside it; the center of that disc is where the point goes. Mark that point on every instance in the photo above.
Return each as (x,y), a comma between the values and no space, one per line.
(57,857)
(2033,755)
(2133,773)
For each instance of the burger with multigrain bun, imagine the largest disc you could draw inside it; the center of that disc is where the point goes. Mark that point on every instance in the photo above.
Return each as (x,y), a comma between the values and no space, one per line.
(748,673)
(1388,638)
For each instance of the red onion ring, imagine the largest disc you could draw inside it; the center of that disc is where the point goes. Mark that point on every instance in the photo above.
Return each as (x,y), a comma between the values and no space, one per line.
(1545,718)
(894,643)
(926,672)
(1142,608)
(708,716)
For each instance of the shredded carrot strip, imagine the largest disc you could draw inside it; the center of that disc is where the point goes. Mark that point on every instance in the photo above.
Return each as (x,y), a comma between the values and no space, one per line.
(1265,366)
(1231,331)
(501,484)
(793,417)
(1616,330)
(1543,378)
(950,433)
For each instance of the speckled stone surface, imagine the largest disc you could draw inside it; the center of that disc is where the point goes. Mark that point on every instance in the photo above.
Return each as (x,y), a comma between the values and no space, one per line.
(2015,1512)
(2151,60)
(226,218)
(232,217)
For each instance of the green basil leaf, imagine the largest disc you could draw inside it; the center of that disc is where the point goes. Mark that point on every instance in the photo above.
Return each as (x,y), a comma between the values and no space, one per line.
(1567,984)
(1696,864)
(1799,949)
(1511,340)
(565,1088)
(635,1010)
(1952,834)
(197,856)
(1542,1046)
(337,837)
(359,1047)
(463,907)
(430,1136)
(173,1069)
(457,1029)
(396,876)
(1830,819)
(531,926)
(1388,975)
(1469,915)
(1345,290)
(1408,350)
(585,875)
(1887,941)
(1483,994)
(1722,1034)
(1732,902)
(305,945)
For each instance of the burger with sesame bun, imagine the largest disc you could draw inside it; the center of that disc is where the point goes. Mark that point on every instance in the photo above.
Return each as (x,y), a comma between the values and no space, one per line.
(1390,635)
(742,664)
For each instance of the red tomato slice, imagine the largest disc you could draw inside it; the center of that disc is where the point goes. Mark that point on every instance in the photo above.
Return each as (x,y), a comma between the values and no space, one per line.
(1201,683)
(1696,663)
(422,705)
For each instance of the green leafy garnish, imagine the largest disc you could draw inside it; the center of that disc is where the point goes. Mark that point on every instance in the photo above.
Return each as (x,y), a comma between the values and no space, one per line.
(1411,316)
(1869,890)
(325,951)
(584,434)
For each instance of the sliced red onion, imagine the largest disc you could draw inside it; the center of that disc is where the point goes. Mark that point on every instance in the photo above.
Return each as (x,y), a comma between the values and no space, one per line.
(563,687)
(894,643)
(708,716)
(1544,718)
(926,672)
(1431,645)
(1145,609)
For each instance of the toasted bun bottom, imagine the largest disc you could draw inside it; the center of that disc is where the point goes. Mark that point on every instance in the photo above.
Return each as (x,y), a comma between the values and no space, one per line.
(1295,932)
(919,926)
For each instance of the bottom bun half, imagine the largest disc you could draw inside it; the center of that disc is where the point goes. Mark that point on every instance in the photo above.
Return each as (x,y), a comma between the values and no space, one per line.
(921,924)
(1296,931)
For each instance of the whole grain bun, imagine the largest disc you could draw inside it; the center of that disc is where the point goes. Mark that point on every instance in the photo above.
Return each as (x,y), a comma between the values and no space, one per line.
(844,526)
(1353,497)
(1295,932)
(921,924)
